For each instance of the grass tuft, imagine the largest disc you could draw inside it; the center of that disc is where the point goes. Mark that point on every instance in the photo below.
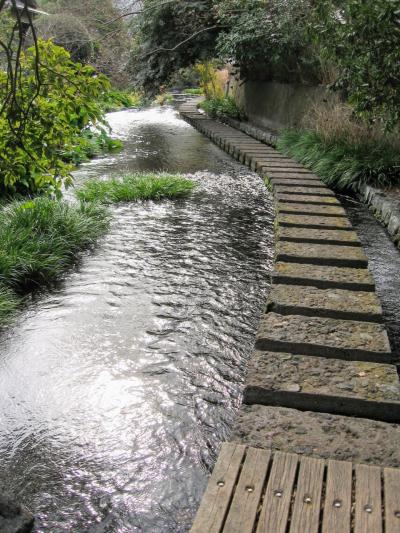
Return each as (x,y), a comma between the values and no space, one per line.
(342,162)
(40,238)
(9,302)
(135,187)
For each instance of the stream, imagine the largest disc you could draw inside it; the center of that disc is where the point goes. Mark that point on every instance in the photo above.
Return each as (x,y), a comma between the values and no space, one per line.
(118,387)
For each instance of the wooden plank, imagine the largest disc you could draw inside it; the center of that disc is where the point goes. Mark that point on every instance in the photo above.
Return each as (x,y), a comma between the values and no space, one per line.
(243,510)
(306,509)
(278,495)
(214,505)
(368,503)
(337,508)
(391,477)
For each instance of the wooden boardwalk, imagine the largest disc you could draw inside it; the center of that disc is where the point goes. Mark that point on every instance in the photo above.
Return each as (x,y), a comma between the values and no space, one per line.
(253,490)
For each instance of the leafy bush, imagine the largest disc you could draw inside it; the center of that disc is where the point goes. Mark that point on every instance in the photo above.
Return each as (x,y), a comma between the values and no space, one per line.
(54,101)
(220,107)
(90,144)
(209,80)
(361,37)
(344,163)
(115,100)
(193,91)
(39,238)
(135,187)
(268,40)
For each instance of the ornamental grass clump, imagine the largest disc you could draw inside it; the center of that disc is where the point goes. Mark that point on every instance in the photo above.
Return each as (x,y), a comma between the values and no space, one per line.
(40,238)
(135,187)
(342,162)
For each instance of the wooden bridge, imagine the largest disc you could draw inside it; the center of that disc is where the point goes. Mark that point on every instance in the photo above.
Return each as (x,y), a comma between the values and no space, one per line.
(253,490)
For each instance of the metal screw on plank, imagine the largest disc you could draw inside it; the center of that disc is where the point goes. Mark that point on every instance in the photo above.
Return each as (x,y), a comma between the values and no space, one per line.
(307,499)
(337,503)
(368,508)
(397,514)
(249,489)
(278,493)
(221,483)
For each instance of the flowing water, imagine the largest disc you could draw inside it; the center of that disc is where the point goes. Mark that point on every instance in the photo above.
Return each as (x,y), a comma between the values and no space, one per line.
(118,387)
(384,263)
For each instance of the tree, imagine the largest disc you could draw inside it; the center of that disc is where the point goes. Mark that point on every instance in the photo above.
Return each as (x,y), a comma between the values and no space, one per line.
(362,39)
(54,100)
(170,36)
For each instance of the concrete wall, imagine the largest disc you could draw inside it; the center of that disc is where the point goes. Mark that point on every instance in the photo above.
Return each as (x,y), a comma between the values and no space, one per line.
(274,105)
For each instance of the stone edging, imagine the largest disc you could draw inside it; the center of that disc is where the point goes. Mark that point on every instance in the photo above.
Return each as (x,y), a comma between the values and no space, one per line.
(384,209)
(321,347)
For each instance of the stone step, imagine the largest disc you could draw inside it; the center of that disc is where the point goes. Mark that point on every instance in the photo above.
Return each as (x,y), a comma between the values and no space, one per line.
(316,222)
(302,190)
(353,388)
(311,209)
(308,199)
(267,165)
(312,184)
(321,254)
(293,176)
(330,337)
(319,236)
(318,434)
(324,277)
(332,303)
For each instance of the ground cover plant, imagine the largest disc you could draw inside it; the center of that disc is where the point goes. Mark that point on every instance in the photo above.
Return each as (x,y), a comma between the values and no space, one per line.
(135,187)
(220,107)
(39,239)
(342,162)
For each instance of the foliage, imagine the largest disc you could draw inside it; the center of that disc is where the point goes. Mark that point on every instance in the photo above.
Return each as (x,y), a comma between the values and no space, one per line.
(164,98)
(39,238)
(220,107)
(344,163)
(193,91)
(170,37)
(92,31)
(268,40)
(135,187)
(209,81)
(55,99)
(362,38)
(91,143)
(114,100)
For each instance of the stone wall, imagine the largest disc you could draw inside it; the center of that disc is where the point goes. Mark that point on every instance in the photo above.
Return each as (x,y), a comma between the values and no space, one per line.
(273,105)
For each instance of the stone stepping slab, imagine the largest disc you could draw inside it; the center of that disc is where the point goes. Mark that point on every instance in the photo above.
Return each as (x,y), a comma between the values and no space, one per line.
(332,303)
(311,209)
(312,184)
(292,220)
(292,176)
(307,199)
(324,277)
(327,337)
(321,254)
(304,190)
(318,236)
(318,434)
(335,386)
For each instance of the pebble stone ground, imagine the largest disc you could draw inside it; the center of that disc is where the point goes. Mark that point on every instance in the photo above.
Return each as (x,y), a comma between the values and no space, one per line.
(322,380)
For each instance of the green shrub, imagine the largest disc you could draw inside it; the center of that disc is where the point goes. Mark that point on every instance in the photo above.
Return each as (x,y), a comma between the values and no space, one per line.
(89,144)
(39,238)
(193,91)
(343,164)
(135,187)
(115,100)
(45,118)
(219,107)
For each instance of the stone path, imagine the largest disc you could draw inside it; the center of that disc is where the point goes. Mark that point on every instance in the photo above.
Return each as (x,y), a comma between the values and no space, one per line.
(322,380)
